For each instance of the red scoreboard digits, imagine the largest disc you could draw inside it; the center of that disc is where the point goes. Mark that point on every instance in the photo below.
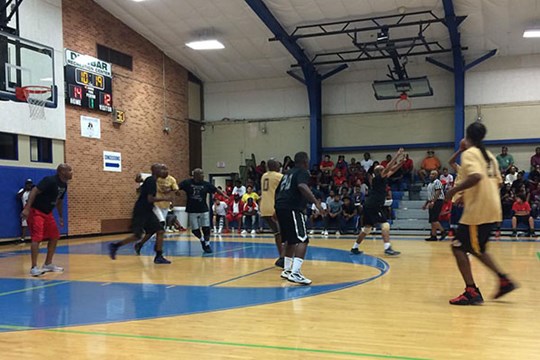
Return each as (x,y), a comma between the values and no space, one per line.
(88,82)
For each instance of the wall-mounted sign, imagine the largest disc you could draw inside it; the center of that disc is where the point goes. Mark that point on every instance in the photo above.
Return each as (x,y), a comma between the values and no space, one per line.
(90,127)
(112,161)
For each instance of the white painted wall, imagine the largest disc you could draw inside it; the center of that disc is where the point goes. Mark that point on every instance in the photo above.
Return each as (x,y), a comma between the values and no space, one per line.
(41,21)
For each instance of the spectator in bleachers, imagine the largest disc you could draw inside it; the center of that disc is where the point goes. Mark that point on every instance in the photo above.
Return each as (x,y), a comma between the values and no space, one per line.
(370,173)
(534,177)
(507,200)
(239,188)
(511,176)
(315,175)
(388,203)
(446,178)
(348,217)
(522,215)
(395,180)
(316,216)
(355,174)
(354,166)
(235,211)
(434,204)
(446,212)
(535,159)
(408,168)
(367,163)
(250,194)
(288,164)
(334,212)
(341,165)
(330,197)
(520,181)
(250,212)
(261,168)
(339,178)
(358,198)
(327,165)
(505,160)
(385,163)
(534,200)
(218,195)
(430,163)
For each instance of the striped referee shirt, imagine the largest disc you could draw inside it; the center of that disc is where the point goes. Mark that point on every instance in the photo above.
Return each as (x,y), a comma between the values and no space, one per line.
(432,188)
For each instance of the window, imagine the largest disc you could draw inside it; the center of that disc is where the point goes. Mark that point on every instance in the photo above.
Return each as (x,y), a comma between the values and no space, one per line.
(8,146)
(41,150)
(115,57)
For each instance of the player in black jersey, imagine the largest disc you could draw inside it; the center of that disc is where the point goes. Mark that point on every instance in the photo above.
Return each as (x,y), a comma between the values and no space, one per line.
(292,196)
(373,209)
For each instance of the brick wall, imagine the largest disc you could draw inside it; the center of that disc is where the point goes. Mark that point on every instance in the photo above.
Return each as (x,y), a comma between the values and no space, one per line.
(94,195)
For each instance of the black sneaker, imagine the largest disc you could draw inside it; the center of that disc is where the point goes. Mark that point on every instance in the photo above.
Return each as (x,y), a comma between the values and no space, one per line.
(431,238)
(356,252)
(138,246)
(514,234)
(505,287)
(532,234)
(161,260)
(206,248)
(443,235)
(113,248)
(391,252)
(280,263)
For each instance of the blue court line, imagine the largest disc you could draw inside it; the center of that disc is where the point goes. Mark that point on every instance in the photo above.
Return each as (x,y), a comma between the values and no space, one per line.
(242,276)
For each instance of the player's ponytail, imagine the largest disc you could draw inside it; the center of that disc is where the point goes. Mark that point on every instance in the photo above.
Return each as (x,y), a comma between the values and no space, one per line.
(476,133)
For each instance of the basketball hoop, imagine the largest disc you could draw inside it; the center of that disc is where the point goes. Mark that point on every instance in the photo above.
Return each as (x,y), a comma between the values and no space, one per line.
(36,96)
(403,104)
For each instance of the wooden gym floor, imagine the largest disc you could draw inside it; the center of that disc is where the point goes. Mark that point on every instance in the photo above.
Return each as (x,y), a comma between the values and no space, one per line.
(233,304)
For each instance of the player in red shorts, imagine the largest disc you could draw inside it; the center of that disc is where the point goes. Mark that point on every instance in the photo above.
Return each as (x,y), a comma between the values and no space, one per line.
(44,197)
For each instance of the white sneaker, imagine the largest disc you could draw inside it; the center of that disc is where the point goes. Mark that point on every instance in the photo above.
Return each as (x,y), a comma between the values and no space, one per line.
(311,232)
(298,278)
(52,268)
(325,233)
(220,230)
(244,232)
(338,233)
(35,271)
(253,232)
(285,274)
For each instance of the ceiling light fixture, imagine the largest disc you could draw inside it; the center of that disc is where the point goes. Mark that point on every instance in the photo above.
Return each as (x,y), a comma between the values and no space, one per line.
(531,33)
(205,45)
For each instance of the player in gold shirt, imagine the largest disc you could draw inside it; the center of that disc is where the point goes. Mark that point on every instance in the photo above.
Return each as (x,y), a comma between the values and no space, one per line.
(480,181)
(269,182)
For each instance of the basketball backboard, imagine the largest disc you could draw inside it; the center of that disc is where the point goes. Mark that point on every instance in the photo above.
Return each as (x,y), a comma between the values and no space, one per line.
(393,89)
(26,63)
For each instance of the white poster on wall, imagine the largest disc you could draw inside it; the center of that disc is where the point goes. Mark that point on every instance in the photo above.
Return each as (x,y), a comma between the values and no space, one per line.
(90,127)
(112,161)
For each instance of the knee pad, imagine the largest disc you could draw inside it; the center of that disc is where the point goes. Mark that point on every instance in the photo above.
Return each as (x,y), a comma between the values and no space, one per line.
(366,230)
(385,226)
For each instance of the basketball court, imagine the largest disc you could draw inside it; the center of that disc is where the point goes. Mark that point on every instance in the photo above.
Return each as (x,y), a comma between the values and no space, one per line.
(232,303)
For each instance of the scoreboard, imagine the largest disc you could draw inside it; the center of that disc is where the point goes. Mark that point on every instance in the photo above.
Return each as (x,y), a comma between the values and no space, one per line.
(88,82)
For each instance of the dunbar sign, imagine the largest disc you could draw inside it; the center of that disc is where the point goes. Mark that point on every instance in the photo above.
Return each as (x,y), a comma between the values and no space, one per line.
(112,161)
(88,62)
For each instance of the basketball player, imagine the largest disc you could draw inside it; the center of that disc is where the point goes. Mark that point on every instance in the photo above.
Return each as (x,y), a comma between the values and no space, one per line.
(144,220)
(269,182)
(23,195)
(197,191)
(480,181)
(43,198)
(292,195)
(374,212)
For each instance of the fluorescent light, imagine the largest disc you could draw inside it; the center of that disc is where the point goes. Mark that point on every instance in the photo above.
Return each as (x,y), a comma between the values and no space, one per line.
(531,33)
(205,45)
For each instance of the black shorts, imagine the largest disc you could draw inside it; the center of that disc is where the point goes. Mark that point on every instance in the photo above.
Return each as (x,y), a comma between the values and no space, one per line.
(435,211)
(145,222)
(272,224)
(472,238)
(292,225)
(522,219)
(373,216)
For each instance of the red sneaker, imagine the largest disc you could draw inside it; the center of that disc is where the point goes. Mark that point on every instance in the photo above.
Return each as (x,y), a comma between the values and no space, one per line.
(471,296)
(505,287)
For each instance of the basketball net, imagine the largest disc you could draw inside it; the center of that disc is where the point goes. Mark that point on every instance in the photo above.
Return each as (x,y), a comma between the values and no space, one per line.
(36,97)
(403,105)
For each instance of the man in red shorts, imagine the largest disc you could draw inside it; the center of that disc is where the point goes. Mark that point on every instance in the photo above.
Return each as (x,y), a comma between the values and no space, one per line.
(44,197)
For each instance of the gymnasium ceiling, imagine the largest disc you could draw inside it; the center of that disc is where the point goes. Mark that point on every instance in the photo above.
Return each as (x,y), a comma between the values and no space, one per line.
(169,24)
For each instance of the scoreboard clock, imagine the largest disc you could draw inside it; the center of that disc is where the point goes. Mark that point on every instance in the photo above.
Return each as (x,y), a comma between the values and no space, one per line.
(88,82)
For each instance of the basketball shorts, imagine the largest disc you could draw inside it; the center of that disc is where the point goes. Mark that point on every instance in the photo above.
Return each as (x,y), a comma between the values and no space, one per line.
(522,219)
(292,226)
(472,238)
(42,226)
(272,224)
(145,222)
(199,220)
(373,216)
(435,211)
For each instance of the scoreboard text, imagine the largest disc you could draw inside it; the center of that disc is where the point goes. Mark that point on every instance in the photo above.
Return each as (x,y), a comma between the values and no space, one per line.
(88,82)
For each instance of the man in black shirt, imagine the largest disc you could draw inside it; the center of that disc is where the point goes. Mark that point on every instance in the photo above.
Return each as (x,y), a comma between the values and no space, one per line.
(197,191)
(144,220)
(292,196)
(373,209)
(43,198)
